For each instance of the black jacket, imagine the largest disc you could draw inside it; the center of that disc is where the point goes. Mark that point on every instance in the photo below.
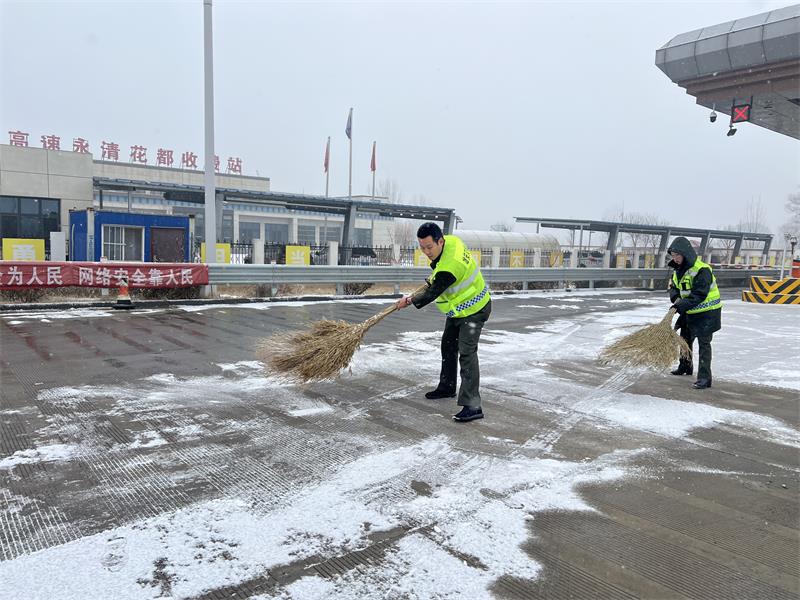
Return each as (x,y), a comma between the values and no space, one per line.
(700,324)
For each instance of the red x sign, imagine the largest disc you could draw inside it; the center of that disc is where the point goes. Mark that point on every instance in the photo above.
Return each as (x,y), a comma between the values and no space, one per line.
(740,113)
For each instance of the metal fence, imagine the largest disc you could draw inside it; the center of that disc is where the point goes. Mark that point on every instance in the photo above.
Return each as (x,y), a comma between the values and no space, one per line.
(284,274)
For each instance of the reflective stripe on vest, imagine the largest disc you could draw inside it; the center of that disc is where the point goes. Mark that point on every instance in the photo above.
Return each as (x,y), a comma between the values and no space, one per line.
(469,303)
(712,301)
(469,293)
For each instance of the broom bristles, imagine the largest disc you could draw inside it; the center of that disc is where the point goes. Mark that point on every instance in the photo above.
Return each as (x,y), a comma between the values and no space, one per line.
(655,346)
(316,354)
(319,352)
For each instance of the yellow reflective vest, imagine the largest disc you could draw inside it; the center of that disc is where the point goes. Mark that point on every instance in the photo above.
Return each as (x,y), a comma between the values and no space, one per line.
(711,302)
(469,293)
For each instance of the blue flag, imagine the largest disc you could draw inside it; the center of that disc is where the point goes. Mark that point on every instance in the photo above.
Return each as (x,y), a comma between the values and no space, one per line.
(349,128)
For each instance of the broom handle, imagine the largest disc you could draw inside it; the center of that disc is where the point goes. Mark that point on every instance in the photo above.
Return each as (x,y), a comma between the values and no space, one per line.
(668,317)
(389,310)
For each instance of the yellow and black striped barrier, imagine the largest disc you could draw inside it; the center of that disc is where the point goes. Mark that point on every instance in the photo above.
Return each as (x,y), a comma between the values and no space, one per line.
(773,291)
(790,285)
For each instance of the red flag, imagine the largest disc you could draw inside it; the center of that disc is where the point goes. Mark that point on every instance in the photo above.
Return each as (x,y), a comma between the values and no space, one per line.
(327,155)
(372,164)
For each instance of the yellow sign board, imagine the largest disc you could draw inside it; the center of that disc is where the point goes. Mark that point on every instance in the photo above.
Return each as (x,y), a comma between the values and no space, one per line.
(754,260)
(476,255)
(223,254)
(420,260)
(556,258)
(620,260)
(737,260)
(22,249)
(298,255)
(649,261)
(516,258)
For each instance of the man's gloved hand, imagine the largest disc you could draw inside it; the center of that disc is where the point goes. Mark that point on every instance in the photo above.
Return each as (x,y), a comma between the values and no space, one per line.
(680,323)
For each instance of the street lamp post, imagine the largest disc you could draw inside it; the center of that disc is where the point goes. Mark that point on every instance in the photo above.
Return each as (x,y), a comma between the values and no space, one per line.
(783,255)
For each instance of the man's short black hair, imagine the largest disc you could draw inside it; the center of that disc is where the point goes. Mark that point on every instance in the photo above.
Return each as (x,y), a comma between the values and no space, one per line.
(430,229)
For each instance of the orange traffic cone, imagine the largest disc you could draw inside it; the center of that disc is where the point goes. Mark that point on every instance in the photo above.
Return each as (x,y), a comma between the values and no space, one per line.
(123,297)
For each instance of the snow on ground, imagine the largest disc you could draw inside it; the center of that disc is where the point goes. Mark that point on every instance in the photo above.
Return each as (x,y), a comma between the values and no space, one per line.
(480,504)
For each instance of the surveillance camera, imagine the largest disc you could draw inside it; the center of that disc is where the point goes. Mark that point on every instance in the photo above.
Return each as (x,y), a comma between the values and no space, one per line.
(731,131)
(713,116)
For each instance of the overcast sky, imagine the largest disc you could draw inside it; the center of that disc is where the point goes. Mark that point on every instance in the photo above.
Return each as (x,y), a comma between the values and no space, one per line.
(495,109)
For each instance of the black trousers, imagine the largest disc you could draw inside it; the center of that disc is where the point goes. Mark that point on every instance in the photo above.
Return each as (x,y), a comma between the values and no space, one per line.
(460,346)
(704,347)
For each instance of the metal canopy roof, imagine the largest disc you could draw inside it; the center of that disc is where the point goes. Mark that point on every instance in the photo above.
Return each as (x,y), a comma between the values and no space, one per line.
(770,37)
(755,58)
(611,226)
(339,206)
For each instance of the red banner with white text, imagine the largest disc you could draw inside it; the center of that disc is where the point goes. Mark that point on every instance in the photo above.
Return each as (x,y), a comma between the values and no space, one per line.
(21,275)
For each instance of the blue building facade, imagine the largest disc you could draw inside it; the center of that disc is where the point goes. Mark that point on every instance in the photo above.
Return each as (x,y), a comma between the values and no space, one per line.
(129,237)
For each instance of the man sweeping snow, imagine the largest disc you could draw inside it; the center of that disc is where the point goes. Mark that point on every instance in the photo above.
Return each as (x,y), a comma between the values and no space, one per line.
(460,292)
(694,294)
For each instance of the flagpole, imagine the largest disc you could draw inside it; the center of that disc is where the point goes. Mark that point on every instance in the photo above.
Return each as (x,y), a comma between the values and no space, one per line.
(350,178)
(374,169)
(327,165)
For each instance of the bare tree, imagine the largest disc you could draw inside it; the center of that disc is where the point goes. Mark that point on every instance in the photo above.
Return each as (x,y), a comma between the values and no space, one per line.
(726,245)
(792,225)
(501,226)
(754,221)
(388,188)
(404,233)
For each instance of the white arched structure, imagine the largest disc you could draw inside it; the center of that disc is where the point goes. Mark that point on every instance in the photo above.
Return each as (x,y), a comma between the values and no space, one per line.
(507,240)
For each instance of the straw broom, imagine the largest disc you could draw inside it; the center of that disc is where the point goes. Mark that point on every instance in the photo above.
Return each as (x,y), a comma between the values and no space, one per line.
(655,346)
(319,352)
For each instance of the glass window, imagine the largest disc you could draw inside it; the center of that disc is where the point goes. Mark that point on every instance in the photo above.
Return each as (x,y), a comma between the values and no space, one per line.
(31,227)
(306,235)
(50,224)
(199,226)
(363,237)
(122,243)
(276,233)
(51,207)
(8,205)
(29,206)
(330,233)
(227,226)
(249,231)
(9,226)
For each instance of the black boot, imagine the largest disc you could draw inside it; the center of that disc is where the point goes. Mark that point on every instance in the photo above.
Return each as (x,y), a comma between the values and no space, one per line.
(701,384)
(440,393)
(682,370)
(468,413)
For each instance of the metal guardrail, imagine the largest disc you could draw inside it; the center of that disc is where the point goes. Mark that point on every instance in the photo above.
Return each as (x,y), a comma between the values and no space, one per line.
(286,274)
